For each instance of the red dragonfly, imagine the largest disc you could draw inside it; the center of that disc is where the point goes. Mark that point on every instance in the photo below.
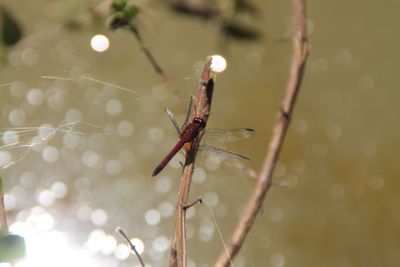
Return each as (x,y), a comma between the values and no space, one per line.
(189,131)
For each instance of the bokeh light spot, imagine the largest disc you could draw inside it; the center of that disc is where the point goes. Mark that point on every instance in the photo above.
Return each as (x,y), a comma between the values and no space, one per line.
(211,199)
(113,107)
(376,182)
(166,209)
(35,97)
(59,189)
(17,117)
(122,252)
(113,167)
(5,158)
(218,63)
(99,217)
(163,184)
(10,137)
(50,154)
(99,43)
(161,244)
(152,217)
(199,175)
(125,128)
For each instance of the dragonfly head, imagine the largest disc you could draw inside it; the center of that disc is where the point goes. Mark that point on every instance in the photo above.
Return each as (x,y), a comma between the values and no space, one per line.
(199,121)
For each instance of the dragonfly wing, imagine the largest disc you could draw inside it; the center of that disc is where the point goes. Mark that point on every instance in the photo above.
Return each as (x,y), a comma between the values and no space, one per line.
(215,135)
(172,119)
(221,152)
(189,112)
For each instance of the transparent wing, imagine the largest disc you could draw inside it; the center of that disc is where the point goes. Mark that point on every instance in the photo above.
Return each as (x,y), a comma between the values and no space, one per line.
(220,152)
(215,135)
(172,119)
(190,108)
(186,122)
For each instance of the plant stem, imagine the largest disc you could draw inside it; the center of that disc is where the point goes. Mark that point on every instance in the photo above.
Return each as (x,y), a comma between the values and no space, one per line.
(178,256)
(264,179)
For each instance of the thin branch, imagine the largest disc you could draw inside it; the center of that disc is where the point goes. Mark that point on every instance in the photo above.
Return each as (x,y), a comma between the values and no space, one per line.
(178,255)
(199,200)
(157,67)
(264,180)
(131,246)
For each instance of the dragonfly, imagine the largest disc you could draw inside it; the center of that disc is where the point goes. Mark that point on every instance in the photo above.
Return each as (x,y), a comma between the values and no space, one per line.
(191,130)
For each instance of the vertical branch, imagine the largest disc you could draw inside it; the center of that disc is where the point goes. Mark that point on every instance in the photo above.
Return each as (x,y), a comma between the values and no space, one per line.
(178,254)
(264,182)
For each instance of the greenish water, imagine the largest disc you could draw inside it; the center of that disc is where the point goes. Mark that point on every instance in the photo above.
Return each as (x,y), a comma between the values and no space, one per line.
(88,143)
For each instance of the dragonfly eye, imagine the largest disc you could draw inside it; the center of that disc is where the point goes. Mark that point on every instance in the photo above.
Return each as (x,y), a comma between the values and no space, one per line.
(199,121)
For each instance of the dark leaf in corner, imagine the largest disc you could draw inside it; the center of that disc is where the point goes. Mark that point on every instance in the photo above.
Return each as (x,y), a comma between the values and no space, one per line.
(11,32)
(240,32)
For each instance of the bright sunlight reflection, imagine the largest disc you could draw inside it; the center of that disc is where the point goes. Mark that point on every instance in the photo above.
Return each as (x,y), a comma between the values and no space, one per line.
(99,43)
(49,248)
(218,63)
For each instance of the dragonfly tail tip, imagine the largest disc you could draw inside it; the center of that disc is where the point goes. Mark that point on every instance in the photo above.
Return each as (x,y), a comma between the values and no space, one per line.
(156,171)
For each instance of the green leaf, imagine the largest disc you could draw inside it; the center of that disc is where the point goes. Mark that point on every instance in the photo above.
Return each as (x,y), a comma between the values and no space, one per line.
(118,5)
(116,20)
(121,14)
(11,32)
(131,11)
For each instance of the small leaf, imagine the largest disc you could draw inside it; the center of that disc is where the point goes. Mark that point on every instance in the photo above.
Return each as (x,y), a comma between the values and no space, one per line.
(121,15)
(131,11)
(116,20)
(118,4)
(11,32)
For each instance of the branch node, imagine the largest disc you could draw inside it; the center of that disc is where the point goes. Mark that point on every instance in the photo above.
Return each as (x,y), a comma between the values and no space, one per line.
(285,114)
(199,200)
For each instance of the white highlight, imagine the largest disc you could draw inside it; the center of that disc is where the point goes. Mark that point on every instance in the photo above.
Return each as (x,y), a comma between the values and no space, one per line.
(50,154)
(10,137)
(125,128)
(17,117)
(152,217)
(99,217)
(99,43)
(113,107)
(113,167)
(139,245)
(5,159)
(218,63)
(35,97)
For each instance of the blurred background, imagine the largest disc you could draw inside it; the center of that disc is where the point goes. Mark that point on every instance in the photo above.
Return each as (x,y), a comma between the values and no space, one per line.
(82,131)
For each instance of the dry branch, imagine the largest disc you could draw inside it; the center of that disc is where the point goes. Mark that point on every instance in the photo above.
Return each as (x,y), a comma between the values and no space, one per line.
(202,109)
(264,182)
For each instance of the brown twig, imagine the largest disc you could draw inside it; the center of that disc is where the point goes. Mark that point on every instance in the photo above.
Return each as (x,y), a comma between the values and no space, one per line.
(188,206)
(157,67)
(264,182)
(202,109)
(131,246)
